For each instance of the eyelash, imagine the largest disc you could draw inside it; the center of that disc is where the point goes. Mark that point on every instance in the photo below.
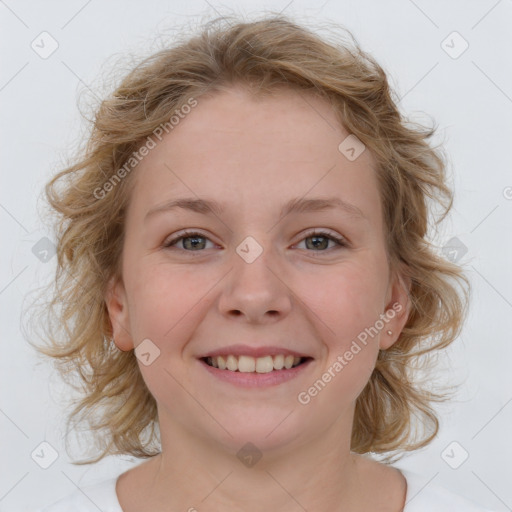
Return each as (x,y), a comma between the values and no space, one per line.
(341,241)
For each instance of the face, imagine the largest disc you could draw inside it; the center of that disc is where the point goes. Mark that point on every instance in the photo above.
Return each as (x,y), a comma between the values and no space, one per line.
(310,279)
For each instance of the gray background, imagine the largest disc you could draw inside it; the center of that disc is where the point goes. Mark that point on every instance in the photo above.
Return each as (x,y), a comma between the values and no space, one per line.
(469,96)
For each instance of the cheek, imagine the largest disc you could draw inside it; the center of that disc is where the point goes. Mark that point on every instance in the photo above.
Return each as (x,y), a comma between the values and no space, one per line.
(164,301)
(167,304)
(347,304)
(347,299)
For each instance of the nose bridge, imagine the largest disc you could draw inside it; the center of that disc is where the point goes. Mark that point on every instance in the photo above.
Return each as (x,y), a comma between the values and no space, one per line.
(254,287)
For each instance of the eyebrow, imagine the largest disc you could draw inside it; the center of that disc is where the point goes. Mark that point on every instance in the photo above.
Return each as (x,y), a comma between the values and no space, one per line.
(297,205)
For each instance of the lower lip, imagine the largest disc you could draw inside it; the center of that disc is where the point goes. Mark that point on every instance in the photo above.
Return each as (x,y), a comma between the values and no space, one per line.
(257,380)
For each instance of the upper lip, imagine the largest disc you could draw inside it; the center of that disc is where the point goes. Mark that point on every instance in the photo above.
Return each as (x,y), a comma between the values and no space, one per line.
(246,350)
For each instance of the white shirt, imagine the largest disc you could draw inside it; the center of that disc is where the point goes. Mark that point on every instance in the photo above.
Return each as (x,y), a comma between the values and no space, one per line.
(419,498)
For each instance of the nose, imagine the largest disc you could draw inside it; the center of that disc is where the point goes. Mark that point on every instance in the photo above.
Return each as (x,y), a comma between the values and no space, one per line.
(255,291)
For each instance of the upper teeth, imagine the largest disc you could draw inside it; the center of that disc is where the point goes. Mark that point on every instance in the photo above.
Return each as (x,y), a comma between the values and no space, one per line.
(249,364)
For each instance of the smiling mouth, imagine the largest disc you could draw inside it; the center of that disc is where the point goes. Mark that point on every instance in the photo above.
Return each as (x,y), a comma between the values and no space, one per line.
(248,364)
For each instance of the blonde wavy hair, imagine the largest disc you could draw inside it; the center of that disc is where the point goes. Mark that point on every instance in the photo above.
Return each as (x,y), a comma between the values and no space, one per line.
(263,55)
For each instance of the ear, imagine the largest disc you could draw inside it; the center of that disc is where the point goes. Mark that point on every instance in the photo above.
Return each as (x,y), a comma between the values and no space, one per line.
(117,306)
(398,307)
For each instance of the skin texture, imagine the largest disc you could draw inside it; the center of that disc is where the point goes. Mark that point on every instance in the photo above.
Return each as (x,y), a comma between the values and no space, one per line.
(253,156)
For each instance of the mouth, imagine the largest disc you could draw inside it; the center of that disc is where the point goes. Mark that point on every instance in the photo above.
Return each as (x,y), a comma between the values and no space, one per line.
(248,364)
(255,373)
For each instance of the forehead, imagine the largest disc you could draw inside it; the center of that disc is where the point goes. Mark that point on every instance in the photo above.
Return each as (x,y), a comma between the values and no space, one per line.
(262,149)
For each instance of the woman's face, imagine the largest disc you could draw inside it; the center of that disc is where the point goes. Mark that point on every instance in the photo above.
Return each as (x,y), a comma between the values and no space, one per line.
(264,270)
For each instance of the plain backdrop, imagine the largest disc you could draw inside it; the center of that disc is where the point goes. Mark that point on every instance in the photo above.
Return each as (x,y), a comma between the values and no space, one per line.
(422,45)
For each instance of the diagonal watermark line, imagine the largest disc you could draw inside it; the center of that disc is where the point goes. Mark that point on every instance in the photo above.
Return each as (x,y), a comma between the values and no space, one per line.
(17,483)
(193,397)
(211,288)
(216,487)
(213,7)
(492,211)
(14,76)
(412,497)
(307,192)
(80,80)
(506,505)
(19,19)
(485,15)
(286,6)
(78,487)
(13,217)
(185,185)
(12,280)
(13,423)
(503,407)
(298,298)
(231,25)
(502,296)
(424,14)
(285,490)
(280,423)
(420,80)
(320,115)
(492,81)
(318,9)
(87,292)
(76,14)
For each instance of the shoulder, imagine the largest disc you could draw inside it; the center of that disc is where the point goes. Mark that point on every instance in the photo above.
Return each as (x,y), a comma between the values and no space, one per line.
(91,498)
(423,496)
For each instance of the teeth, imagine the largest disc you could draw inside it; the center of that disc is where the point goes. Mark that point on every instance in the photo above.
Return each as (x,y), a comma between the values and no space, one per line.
(232,363)
(264,364)
(279,362)
(248,364)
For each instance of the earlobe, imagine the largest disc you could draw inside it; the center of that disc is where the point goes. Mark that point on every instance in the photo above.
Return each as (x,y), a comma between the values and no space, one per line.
(117,307)
(397,312)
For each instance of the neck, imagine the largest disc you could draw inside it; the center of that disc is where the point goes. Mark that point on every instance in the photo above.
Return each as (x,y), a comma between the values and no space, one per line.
(193,472)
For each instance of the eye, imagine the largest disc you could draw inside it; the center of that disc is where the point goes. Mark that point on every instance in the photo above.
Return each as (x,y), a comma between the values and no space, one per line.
(320,240)
(191,241)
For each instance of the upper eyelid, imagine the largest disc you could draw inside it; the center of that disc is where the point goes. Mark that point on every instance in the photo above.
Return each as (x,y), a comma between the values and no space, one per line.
(188,233)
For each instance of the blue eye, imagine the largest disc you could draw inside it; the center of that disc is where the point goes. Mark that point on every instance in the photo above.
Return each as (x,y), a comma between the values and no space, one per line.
(320,240)
(192,241)
(195,241)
